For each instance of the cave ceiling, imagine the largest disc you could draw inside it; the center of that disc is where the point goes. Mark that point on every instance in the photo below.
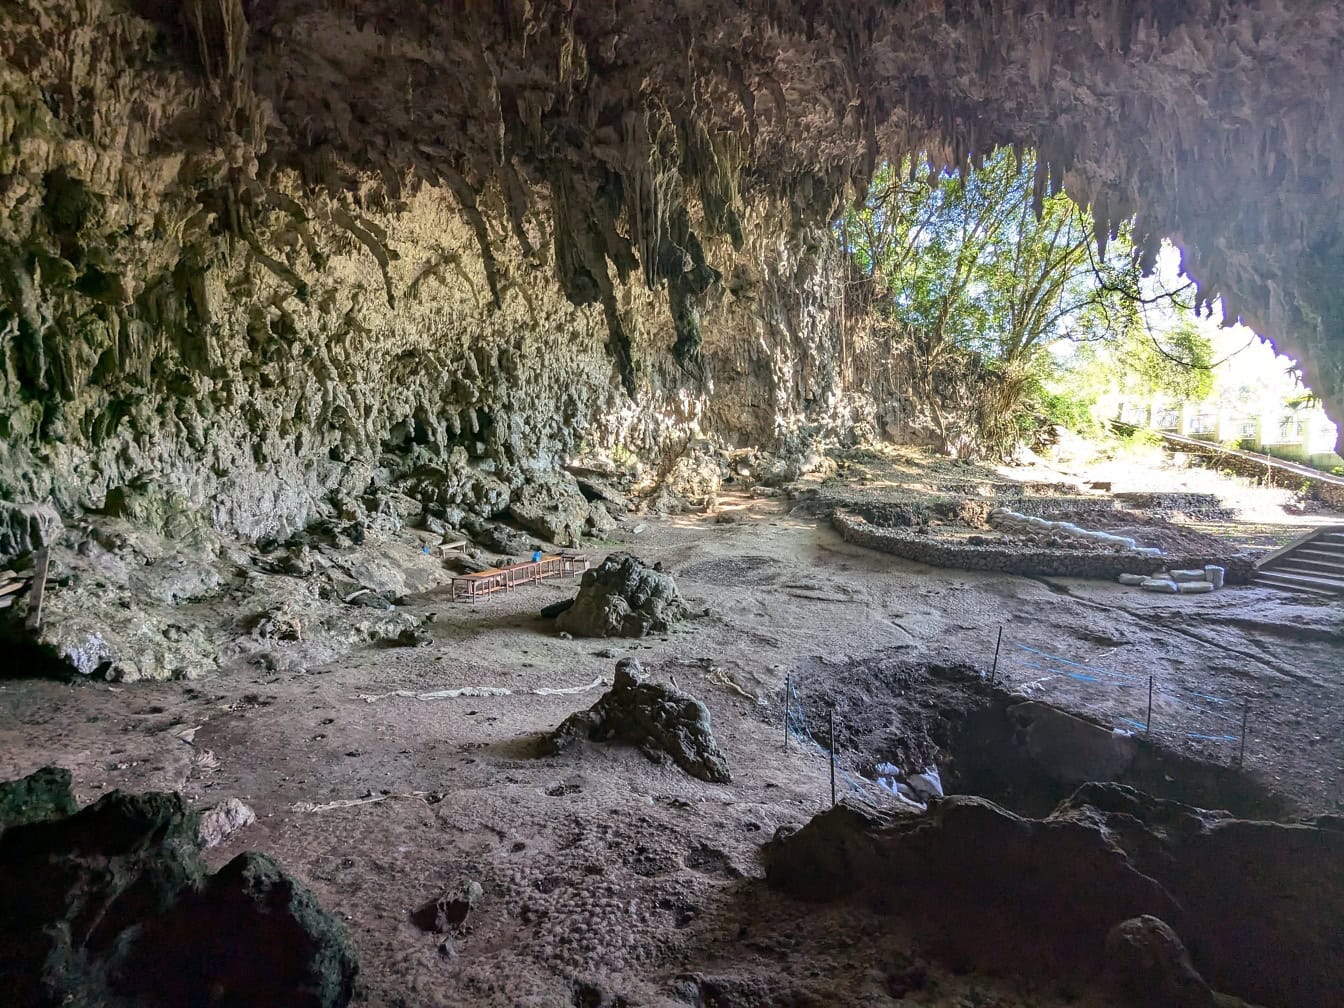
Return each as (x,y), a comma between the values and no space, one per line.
(646,129)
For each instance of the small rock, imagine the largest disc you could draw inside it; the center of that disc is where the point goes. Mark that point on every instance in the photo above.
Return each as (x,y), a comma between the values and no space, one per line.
(450,910)
(556,608)
(42,795)
(412,636)
(222,821)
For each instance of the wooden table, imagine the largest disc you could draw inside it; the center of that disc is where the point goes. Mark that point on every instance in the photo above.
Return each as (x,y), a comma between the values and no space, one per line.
(468,587)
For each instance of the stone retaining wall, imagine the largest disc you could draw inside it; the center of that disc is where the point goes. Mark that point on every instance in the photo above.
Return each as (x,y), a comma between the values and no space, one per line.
(1030,561)
(1329,492)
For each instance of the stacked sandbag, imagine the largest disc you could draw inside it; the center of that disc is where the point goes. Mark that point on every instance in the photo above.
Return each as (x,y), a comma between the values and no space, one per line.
(1183,582)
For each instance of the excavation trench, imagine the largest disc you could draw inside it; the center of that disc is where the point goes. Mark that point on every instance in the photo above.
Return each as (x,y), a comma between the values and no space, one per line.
(1025,755)
(1062,842)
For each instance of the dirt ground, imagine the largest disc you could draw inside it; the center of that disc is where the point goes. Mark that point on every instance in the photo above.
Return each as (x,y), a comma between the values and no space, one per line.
(609,879)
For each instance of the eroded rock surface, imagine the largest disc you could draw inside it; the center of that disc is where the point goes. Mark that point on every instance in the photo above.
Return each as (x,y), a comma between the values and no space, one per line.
(660,721)
(999,891)
(43,794)
(1148,967)
(112,905)
(622,597)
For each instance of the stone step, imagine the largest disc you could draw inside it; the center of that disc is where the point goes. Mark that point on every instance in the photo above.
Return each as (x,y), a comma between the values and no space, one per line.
(1321,551)
(1308,562)
(1329,541)
(1299,582)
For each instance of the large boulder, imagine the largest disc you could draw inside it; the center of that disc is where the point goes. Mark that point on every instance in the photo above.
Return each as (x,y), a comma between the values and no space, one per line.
(993,890)
(551,507)
(660,721)
(113,906)
(622,597)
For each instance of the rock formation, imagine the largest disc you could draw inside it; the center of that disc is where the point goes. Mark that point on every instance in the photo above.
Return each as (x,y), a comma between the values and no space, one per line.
(995,891)
(112,905)
(660,721)
(622,597)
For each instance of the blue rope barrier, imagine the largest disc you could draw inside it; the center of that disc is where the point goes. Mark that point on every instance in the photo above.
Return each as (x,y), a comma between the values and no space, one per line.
(1181,699)
(1074,664)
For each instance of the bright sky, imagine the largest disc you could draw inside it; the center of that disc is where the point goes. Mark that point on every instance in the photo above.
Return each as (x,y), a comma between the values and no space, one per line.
(1248,361)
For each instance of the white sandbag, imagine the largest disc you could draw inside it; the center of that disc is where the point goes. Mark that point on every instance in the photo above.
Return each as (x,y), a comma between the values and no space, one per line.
(1195,587)
(897,789)
(1215,575)
(1159,585)
(927,784)
(1132,579)
(1181,576)
(1149,551)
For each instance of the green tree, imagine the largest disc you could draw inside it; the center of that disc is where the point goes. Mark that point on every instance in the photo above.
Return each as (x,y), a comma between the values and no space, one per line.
(985,276)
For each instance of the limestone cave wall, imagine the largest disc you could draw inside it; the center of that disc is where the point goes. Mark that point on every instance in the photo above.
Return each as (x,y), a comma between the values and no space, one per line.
(180,336)
(255,255)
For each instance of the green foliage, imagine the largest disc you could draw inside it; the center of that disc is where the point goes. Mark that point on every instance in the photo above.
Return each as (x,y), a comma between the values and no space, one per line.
(1141,446)
(984,274)
(1064,410)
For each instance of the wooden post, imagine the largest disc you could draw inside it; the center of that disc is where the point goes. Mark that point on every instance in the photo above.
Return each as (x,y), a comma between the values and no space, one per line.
(40,565)
(1148,721)
(832,748)
(994,672)
(1245,723)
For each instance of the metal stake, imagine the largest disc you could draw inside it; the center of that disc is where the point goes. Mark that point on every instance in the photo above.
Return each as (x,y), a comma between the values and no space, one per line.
(1148,724)
(832,740)
(994,672)
(1245,723)
(788,693)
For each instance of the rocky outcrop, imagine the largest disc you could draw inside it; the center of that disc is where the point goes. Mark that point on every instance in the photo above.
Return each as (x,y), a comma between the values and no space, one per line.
(622,597)
(26,527)
(661,721)
(994,890)
(112,905)
(42,795)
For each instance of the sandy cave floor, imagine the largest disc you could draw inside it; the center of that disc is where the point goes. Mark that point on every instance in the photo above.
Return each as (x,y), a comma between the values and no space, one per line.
(607,876)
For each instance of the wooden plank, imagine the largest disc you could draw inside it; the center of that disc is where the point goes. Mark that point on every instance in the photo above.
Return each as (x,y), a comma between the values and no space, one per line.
(11,588)
(43,561)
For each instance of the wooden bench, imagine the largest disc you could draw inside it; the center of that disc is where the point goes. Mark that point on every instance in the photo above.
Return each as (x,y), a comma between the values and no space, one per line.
(443,550)
(468,587)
